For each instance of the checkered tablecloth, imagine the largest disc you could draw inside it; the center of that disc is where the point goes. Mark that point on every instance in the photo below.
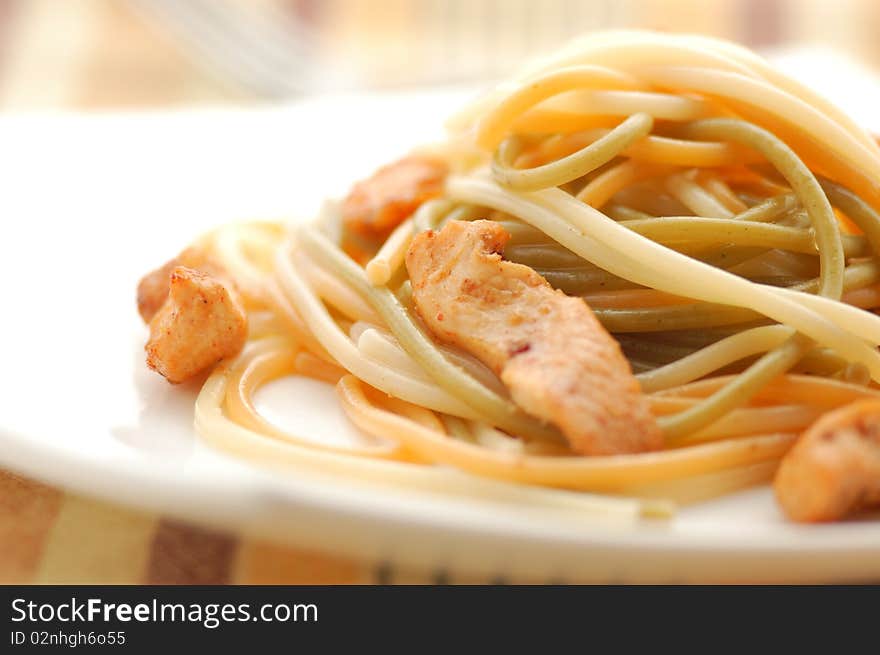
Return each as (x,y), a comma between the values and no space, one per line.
(48,536)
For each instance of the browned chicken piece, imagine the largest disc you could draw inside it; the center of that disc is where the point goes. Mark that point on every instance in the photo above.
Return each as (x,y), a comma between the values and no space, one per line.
(375,206)
(201,322)
(834,468)
(153,288)
(549,349)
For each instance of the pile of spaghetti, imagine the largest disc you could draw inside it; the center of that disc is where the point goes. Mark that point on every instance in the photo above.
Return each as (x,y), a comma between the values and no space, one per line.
(720,220)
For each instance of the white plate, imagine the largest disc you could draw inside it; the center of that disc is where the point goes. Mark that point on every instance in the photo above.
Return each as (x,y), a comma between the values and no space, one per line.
(89,203)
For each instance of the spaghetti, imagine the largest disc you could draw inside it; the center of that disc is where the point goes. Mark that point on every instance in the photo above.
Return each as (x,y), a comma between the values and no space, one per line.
(722,222)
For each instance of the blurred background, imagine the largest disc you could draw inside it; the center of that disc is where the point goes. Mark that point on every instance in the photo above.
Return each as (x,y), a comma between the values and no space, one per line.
(110,54)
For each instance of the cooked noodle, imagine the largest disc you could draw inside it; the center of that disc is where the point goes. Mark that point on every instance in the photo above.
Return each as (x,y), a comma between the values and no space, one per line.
(720,219)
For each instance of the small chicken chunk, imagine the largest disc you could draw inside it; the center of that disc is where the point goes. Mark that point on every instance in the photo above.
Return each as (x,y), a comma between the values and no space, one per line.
(834,468)
(201,322)
(153,288)
(377,205)
(551,352)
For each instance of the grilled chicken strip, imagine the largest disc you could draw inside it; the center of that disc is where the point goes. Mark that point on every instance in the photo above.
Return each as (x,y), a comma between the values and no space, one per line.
(199,324)
(377,205)
(195,315)
(551,352)
(834,468)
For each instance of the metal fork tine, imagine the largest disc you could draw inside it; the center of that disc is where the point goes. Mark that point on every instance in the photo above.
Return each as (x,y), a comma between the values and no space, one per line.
(268,30)
(263,59)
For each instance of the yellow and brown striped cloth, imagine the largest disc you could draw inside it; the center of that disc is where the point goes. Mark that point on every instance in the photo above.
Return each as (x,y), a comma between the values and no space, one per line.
(48,536)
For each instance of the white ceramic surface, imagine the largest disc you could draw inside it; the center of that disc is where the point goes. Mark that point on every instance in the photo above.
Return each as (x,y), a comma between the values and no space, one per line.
(90,202)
